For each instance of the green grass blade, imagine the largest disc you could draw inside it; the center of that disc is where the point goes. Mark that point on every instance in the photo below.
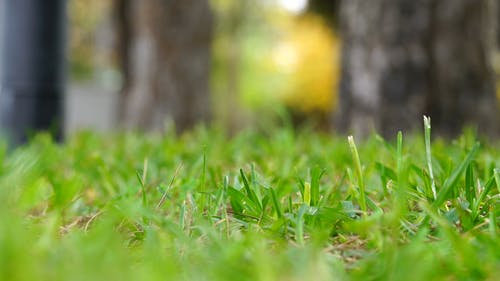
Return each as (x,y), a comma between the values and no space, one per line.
(386,175)
(470,195)
(249,190)
(299,225)
(307,193)
(399,155)
(496,173)
(143,189)
(476,206)
(373,205)
(359,173)
(241,202)
(202,184)
(276,203)
(428,153)
(453,178)
(316,174)
(401,189)
(302,186)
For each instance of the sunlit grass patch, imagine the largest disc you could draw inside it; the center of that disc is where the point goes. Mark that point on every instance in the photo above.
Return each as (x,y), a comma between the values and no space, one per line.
(281,205)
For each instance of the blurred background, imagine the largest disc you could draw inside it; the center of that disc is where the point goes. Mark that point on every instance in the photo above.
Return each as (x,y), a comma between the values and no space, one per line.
(266,56)
(348,65)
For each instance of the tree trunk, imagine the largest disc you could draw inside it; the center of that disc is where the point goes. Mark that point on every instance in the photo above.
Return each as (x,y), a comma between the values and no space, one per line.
(165,54)
(404,58)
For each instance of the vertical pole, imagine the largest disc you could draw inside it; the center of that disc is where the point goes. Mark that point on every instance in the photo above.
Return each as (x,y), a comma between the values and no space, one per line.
(2,24)
(32,75)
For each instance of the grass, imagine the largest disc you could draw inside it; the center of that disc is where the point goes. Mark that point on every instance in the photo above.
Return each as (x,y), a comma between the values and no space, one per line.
(278,205)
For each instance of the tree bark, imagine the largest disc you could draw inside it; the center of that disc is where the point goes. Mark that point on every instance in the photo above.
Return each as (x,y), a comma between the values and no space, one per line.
(165,54)
(403,59)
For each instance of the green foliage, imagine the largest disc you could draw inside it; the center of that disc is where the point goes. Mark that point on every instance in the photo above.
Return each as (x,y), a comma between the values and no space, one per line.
(278,205)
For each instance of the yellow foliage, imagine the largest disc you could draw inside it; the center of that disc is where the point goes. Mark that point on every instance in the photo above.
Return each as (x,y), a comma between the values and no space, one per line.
(308,55)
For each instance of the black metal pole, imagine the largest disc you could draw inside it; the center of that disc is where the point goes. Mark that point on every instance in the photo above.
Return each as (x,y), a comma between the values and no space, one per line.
(32,76)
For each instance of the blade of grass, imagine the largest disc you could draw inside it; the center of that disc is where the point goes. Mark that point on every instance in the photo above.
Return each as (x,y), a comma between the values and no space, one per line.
(386,175)
(401,176)
(276,203)
(299,225)
(451,181)
(240,202)
(307,193)
(428,153)
(202,186)
(142,180)
(373,205)
(250,192)
(359,173)
(482,197)
(496,173)
(165,192)
(316,174)
(469,184)
(399,156)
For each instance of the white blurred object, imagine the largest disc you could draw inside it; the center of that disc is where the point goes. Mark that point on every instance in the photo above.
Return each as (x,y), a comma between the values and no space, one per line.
(294,6)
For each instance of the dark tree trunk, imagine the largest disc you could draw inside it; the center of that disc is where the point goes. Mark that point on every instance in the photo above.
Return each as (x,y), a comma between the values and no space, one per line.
(404,58)
(165,54)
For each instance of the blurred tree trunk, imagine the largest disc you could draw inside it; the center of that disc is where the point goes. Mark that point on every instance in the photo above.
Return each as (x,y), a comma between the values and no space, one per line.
(164,49)
(496,10)
(404,58)
(231,24)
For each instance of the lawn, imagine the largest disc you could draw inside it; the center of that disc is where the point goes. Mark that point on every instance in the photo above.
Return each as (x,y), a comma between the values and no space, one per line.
(269,205)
